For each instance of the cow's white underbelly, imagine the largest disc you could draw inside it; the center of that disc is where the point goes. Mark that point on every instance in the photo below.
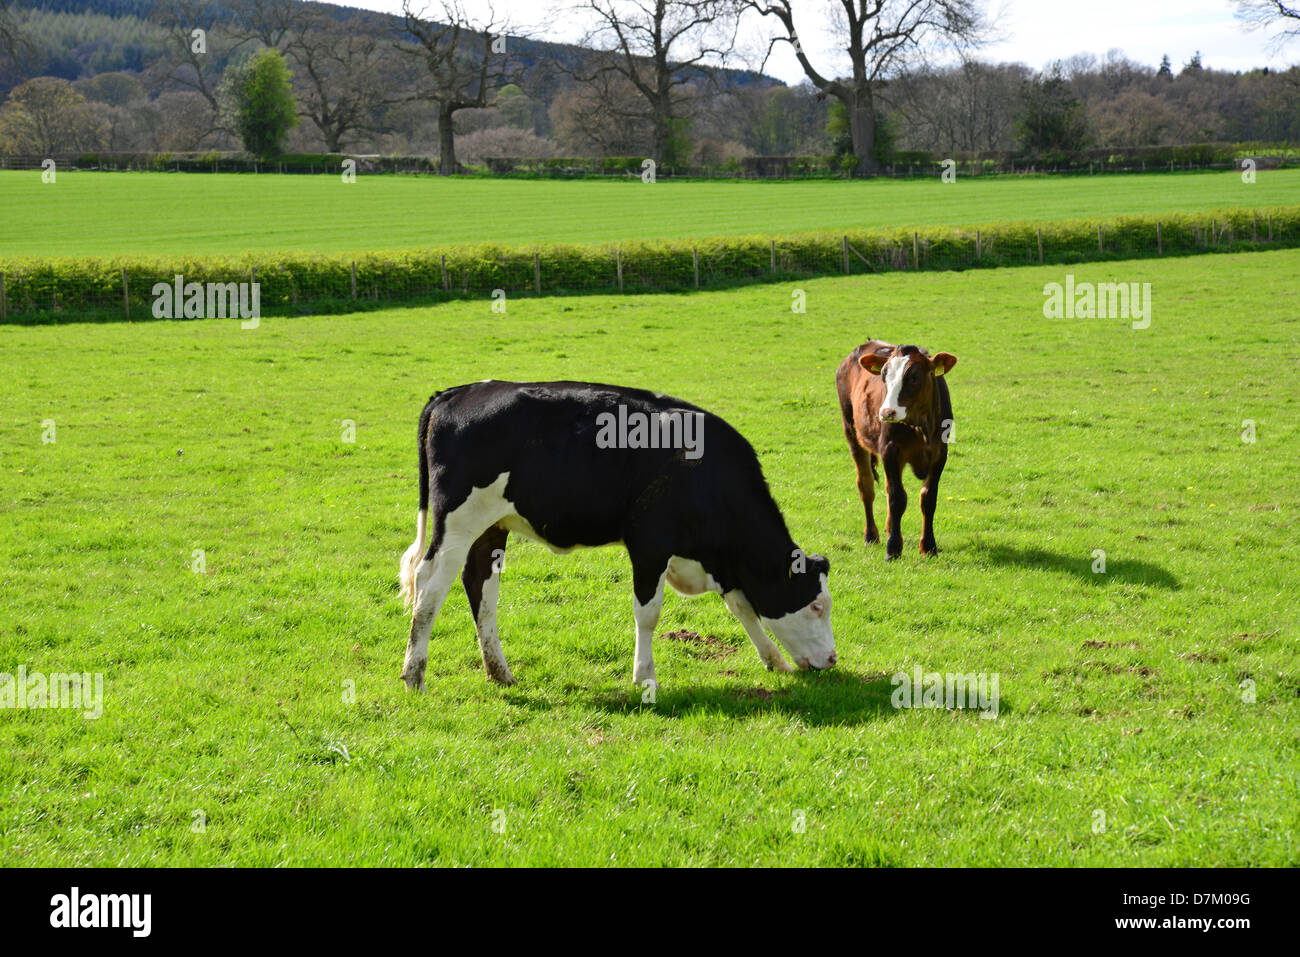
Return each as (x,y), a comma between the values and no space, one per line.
(521,526)
(689,577)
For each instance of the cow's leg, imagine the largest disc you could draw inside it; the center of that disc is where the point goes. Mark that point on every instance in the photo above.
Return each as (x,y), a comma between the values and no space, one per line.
(866,466)
(930,498)
(767,650)
(434,577)
(897,497)
(482,580)
(648,602)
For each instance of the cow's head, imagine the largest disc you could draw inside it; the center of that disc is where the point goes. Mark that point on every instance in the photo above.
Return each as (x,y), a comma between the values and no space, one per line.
(805,632)
(908,373)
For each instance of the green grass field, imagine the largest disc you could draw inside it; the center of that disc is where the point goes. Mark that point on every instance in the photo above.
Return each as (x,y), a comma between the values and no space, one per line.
(87,213)
(227,692)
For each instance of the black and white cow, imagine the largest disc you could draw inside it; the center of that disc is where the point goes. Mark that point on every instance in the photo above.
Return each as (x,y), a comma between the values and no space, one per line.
(572,464)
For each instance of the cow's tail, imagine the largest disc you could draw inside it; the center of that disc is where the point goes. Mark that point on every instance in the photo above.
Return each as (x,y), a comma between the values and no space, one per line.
(411,559)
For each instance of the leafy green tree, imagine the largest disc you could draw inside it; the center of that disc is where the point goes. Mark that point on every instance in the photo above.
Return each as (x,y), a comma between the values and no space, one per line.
(1051,117)
(259,103)
(514,107)
(1166,68)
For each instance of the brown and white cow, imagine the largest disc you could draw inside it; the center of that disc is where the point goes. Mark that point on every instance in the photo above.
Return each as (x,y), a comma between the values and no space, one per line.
(896,408)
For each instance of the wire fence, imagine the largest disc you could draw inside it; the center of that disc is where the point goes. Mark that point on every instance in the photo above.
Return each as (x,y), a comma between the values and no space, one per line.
(140,288)
(902,165)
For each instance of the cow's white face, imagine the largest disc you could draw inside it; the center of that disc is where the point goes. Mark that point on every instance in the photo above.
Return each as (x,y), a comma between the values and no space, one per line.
(805,634)
(896,374)
(908,380)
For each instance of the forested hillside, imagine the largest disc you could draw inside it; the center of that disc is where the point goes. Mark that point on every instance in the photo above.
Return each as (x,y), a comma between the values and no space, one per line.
(123,75)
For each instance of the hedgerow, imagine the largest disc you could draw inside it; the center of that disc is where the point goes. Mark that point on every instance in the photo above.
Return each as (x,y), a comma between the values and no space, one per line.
(36,289)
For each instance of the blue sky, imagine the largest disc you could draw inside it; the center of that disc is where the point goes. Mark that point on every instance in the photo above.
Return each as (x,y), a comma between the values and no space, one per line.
(1035,32)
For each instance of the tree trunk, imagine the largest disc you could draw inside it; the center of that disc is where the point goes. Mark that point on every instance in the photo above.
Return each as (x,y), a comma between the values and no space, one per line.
(661,134)
(862,128)
(446,143)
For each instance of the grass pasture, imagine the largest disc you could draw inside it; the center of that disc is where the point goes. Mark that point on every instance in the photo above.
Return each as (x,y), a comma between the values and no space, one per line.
(105,214)
(225,699)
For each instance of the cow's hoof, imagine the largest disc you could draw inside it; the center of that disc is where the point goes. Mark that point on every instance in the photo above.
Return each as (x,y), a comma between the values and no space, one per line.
(871,537)
(931,550)
(892,555)
(499,672)
(413,675)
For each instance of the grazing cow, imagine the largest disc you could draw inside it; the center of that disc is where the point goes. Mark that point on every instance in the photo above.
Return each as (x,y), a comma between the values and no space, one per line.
(896,408)
(573,464)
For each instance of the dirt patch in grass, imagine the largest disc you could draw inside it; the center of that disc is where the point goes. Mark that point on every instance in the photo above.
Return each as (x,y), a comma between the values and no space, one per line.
(708,647)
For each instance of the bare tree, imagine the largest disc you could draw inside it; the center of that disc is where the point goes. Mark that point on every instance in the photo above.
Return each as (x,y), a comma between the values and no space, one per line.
(605,117)
(970,106)
(664,48)
(1258,14)
(880,37)
(194,50)
(270,22)
(466,60)
(341,73)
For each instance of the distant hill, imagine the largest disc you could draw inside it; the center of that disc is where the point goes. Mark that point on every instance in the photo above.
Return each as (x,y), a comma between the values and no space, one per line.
(80,42)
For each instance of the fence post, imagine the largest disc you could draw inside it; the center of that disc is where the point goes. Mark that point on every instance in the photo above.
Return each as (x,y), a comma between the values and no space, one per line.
(1100,247)
(618,259)
(844,249)
(537,272)
(916,251)
(695,260)
(354,279)
(1160,241)
(1270,227)
(1040,245)
(126,298)
(979,246)
(774,257)
(3,308)
(446,287)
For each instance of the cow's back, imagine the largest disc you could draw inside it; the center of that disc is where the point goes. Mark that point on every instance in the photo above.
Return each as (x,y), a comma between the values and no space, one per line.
(562,481)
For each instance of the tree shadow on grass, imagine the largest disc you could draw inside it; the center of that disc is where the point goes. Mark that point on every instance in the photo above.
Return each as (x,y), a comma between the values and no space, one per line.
(1127,570)
(835,697)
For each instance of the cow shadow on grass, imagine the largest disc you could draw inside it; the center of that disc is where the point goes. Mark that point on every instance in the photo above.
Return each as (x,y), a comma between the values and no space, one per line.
(835,697)
(1128,570)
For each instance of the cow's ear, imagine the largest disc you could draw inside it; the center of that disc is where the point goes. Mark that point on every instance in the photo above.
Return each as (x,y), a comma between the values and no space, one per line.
(871,362)
(943,362)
